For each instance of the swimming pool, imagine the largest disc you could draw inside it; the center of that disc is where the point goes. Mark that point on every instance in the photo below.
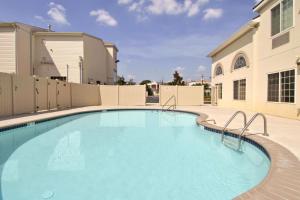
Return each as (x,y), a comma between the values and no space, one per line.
(133,154)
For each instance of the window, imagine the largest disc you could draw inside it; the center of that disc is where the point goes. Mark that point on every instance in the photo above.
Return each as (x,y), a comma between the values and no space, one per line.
(219,89)
(281,87)
(219,70)
(240,62)
(60,78)
(282,16)
(239,89)
(273,87)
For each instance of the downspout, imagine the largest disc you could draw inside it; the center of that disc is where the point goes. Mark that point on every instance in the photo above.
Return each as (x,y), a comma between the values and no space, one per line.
(31,54)
(81,69)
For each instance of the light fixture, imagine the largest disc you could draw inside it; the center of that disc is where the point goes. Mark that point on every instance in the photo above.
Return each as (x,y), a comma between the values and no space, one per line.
(298,61)
(117,61)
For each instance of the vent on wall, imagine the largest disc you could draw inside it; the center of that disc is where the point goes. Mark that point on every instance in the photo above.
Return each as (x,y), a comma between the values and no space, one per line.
(281,40)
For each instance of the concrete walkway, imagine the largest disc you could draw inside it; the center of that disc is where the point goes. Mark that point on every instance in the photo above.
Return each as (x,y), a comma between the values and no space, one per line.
(283,131)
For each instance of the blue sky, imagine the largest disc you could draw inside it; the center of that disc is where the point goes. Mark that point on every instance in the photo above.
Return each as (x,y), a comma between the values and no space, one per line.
(154,37)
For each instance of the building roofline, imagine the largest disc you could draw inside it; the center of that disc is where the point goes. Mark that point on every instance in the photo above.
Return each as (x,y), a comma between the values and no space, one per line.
(260,5)
(245,29)
(16,24)
(109,44)
(77,34)
(68,34)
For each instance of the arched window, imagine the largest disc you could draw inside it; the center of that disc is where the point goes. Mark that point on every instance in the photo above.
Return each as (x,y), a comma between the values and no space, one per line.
(240,62)
(219,70)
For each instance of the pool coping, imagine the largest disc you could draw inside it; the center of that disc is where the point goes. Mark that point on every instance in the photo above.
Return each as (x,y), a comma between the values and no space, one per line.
(283,178)
(282,181)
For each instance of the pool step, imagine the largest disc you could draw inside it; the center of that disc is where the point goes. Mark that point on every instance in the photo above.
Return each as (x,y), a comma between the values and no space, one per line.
(231,142)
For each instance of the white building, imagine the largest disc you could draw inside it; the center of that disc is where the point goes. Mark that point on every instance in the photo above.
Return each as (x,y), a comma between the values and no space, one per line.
(71,56)
(258,67)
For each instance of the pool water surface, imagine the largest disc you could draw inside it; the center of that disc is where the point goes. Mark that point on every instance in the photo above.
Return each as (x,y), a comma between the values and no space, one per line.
(125,155)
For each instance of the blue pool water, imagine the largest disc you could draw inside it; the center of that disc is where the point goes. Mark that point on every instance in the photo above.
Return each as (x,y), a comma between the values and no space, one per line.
(124,155)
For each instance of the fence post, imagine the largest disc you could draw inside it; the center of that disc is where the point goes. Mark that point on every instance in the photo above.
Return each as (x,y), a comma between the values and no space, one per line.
(118,95)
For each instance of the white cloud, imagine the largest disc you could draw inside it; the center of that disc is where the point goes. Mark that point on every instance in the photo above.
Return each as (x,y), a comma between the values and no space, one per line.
(179,69)
(167,7)
(201,68)
(137,6)
(212,13)
(103,17)
(174,7)
(130,77)
(57,14)
(38,17)
(124,2)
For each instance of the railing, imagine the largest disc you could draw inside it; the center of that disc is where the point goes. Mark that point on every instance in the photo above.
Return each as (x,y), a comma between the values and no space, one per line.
(171,106)
(265,133)
(231,119)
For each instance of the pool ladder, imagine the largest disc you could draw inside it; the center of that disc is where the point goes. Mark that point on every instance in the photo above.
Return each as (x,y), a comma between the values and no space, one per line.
(236,144)
(172,106)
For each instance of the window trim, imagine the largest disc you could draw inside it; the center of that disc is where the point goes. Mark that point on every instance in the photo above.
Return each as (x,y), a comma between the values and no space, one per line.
(215,70)
(281,32)
(239,54)
(295,94)
(218,85)
(239,90)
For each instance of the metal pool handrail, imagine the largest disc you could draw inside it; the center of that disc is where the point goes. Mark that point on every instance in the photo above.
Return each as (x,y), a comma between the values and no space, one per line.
(265,133)
(231,119)
(173,105)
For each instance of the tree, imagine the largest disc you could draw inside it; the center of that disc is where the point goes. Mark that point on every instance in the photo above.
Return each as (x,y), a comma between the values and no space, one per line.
(145,82)
(149,90)
(121,81)
(131,82)
(177,79)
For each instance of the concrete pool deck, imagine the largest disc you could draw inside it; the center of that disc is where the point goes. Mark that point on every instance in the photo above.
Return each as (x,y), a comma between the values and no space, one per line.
(283,179)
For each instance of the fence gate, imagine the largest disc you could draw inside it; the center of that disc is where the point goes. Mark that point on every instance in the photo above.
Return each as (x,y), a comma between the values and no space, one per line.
(41,94)
(63,95)
(5,95)
(214,99)
(23,94)
(52,101)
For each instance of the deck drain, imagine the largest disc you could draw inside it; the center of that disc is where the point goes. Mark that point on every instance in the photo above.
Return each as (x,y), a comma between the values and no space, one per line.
(48,195)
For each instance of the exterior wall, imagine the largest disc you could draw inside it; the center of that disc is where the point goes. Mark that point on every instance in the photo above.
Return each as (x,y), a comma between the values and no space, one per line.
(111,65)
(95,60)
(7,50)
(264,59)
(165,93)
(274,60)
(54,53)
(184,95)
(190,96)
(23,50)
(132,95)
(226,59)
(109,95)
(84,95)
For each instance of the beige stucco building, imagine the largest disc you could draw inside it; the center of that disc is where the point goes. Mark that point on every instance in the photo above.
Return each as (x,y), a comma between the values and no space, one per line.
(258,68)
(70,56)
